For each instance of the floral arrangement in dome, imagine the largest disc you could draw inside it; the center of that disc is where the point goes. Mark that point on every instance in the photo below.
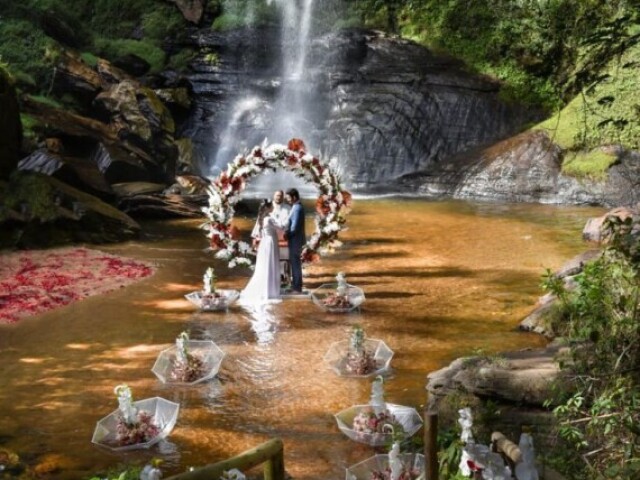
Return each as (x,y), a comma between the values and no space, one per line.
(360,360)
(187,367)
(340,298)
(133,425)
(210,298)
(332,206)
(397,469)
(376,417)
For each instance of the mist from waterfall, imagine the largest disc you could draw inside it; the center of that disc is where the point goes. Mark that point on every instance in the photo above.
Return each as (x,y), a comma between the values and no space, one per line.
(252,118)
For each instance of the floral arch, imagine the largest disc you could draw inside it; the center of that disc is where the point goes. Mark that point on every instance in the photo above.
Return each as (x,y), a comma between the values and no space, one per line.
(332,205)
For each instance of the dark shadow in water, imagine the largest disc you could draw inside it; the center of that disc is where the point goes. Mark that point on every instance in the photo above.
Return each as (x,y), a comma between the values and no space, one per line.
(374,241)
(416,273)
(374,255)
(393,295)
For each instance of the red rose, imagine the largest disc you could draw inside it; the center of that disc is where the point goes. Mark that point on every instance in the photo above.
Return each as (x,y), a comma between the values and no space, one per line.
(296,145)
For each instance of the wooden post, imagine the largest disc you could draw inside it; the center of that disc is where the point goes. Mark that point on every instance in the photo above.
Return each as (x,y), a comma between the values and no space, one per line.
(270,452)
(431,444)
(274,467)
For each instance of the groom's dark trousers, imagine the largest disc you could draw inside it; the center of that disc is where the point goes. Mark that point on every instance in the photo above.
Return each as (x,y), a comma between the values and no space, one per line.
(296,238)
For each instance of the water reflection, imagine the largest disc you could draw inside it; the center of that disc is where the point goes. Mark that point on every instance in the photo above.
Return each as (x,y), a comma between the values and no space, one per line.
(263,322)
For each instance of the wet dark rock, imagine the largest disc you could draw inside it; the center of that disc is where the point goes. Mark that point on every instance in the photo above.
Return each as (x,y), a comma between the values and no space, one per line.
(525,168)
(164,205)
(76,77)
(80,173)
(132,64)
(54,26)
(141,120)
(110,74)
(10,126)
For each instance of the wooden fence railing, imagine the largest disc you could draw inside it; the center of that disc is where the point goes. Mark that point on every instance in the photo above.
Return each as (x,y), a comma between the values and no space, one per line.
(271,453)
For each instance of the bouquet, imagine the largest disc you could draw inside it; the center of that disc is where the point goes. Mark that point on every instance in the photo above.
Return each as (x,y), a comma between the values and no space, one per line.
(141,430)
(367,421)
(360,362)
(187,370)
(333,300)
(405,474)
(187,367)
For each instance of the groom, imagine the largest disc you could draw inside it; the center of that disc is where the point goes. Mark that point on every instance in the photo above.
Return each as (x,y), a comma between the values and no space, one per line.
(294,234)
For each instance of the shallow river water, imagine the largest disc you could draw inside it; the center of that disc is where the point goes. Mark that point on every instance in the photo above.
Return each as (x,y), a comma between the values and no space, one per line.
(442,280)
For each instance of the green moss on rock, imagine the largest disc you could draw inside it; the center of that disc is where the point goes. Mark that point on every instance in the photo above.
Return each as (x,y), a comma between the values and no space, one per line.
(592,165)
(607,112)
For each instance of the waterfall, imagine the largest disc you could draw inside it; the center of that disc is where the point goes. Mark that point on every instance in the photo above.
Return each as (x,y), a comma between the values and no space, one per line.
(252,117)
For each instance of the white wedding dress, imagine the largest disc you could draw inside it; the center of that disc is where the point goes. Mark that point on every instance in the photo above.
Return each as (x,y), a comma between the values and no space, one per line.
(264,286)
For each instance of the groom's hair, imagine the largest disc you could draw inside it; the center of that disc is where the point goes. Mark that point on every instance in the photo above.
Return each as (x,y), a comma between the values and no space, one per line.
(293,193)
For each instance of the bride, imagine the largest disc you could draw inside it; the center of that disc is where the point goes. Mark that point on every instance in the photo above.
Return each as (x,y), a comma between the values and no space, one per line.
(264,286)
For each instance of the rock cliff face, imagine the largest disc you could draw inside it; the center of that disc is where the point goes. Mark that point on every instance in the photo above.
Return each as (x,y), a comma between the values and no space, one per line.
(383,106)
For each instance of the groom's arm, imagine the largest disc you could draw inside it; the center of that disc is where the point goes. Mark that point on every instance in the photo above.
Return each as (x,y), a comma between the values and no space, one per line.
(294,220)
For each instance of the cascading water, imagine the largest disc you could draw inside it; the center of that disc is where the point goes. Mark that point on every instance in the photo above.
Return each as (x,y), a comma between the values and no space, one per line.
(291,112)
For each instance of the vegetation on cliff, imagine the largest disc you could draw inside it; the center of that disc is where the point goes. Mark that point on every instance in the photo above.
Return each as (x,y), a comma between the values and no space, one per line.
(577,59)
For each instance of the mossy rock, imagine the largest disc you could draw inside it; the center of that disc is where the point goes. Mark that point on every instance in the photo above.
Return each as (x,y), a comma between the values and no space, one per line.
(40,211)
(592,165)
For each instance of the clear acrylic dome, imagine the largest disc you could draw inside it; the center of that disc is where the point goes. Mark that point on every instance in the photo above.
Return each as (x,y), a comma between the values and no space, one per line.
(211,303)
(328,299)
(207,353)
(164,415)
(338,358)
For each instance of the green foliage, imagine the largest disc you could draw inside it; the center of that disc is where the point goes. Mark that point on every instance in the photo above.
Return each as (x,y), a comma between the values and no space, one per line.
(49,101)
(112,49)
(31,192)
(449,453)
(244,13)
(28,49)
(544,52)
(123,473)
(606,112)
(227,21)
(601,413)
(212,58)
(591,165)
(89,58)
(181,60)
(161,22)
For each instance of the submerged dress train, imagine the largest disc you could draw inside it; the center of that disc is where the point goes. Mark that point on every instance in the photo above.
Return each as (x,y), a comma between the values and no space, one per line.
(264,286)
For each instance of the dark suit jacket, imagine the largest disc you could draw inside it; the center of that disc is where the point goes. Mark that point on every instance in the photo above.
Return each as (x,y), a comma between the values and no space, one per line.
(295,228)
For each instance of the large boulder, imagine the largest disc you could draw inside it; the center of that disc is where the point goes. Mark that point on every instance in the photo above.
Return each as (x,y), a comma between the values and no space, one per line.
(74,76)
(526,377)
(10,126)
(77,172)
(42,211)
(527,168)
(140,119)
(593,231)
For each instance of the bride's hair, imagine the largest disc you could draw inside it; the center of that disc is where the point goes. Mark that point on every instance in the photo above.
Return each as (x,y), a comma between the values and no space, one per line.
(263,211)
